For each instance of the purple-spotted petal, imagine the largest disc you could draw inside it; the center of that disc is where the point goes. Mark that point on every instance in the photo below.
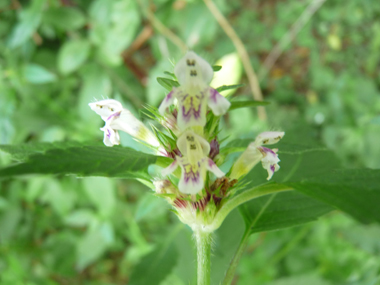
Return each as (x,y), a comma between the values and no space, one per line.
(192,177)
(211,166)
(111,137)
(168,100)
(192,107)
(270,160)
(217,103)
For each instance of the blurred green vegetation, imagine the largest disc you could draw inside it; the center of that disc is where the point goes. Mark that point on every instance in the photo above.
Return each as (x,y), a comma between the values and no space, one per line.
(57,56)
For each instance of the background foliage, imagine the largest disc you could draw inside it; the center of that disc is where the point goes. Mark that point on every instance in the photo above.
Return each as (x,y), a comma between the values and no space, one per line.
(56,56)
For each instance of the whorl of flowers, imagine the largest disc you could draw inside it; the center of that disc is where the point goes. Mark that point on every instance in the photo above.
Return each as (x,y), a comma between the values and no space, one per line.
(190,113)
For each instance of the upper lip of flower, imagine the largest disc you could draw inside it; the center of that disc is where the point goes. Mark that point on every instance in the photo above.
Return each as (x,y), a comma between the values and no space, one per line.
(116,118)
(256,152)
(194,163)
(194,95)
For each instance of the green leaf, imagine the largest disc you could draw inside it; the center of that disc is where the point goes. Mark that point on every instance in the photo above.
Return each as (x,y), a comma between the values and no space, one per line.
(80,218)
(317,173)
(216,67)
(114,25)
(101,192)
(72,55)
(30,19)
(37,74)
(84,161)
(21,152)
(167,83)
(228,87)
(244,104)
(93,244)
(354,191)
(154,267)
(170,74)
(150,207)
(281,210)
(288,208)
(64,18)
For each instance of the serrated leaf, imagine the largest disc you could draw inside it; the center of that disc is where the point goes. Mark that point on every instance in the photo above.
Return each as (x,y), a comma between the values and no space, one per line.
(154,267)
(228,87)
(37,74)
(244,104)
(354,191)
(167,83)
(85,161)
(72,55)
(317,173)
(281,210)
(21,152)
(289,208)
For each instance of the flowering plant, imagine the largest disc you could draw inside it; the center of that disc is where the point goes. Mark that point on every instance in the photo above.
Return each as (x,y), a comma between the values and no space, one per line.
(201,176)
(195,196)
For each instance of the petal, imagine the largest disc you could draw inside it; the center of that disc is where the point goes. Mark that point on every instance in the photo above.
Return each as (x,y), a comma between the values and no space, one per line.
(193,70)
(170,169)
(192,107)
(247,160)
(192,145)
(168,100)
(111,137)
(125,121)
(270,160)
(106,108)
(211,166)
(192,178)
(217,103)
(267,138)
(271,170)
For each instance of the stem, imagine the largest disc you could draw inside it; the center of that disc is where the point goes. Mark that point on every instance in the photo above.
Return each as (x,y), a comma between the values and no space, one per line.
(243,243)
(234,262)
(244,197)
(203,256)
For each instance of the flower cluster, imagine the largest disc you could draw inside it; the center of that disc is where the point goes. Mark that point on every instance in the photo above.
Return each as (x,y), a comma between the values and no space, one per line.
(184,111)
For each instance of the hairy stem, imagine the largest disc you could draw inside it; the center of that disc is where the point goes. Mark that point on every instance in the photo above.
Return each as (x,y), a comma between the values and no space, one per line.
(203,240)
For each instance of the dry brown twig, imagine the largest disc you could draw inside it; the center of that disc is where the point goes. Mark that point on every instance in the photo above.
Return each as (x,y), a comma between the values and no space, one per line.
(243,54)
(160,27)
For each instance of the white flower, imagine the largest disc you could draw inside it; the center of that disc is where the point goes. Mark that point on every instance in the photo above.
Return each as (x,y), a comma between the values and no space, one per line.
(117,119)
(194,163)
(256,152)
(194,95)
